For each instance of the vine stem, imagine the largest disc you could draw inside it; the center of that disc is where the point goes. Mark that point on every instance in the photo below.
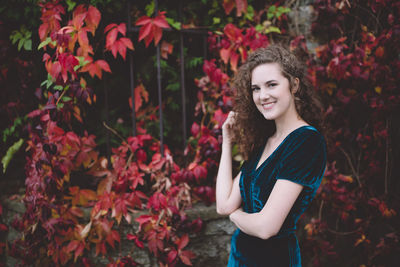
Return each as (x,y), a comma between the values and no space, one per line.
(387,157)
(351,166)
(320,210)
(62,94)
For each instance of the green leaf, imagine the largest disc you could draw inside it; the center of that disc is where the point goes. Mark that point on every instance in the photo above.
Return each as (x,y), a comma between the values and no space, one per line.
(71,4)
(10,153)
(216,20)
(28,45)
(150,9)
(46,42)
(259,28)
(66,98)
(173,23)
(250,13)
(194,62)
(272,29)
(20,44)
(58,87)
(173,87)
(82,63)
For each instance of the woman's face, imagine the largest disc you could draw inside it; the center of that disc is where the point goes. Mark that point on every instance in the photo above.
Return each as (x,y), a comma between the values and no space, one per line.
(271,92)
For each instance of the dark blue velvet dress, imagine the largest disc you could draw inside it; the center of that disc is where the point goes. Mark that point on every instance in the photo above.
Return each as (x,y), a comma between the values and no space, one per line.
(301,158)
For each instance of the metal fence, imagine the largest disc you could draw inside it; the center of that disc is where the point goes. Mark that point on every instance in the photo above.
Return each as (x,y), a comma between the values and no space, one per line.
(182,34)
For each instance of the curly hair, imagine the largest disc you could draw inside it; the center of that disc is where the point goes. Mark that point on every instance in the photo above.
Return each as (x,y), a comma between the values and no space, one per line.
(251,129)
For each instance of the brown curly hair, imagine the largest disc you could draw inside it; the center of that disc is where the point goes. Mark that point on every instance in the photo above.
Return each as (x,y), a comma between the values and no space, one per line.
(251,129)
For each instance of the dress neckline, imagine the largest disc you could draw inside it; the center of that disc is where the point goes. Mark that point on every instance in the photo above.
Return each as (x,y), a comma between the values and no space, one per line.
(256,169)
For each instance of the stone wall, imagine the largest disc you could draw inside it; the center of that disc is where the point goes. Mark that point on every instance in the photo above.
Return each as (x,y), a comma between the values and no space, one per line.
(211,245)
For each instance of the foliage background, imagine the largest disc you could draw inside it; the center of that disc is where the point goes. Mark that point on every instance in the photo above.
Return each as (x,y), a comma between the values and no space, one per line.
(63,165)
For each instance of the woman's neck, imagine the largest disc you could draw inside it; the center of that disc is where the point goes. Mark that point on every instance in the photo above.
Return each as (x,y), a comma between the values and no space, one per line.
(287,124)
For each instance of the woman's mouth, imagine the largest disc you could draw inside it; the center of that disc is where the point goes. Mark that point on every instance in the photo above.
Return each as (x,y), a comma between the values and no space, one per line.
(268,105)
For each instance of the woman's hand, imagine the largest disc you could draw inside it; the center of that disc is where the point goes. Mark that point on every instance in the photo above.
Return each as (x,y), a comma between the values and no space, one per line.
(233,214)
(227,131)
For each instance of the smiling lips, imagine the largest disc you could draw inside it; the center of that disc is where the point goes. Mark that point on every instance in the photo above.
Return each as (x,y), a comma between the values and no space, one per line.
(268,105)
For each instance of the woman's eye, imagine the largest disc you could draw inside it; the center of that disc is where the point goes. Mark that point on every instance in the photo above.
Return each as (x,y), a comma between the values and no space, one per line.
(272,85)
(255,88)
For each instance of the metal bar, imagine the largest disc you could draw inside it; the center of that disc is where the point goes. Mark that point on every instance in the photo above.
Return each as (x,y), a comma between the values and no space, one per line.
(182,61)
(132,87)
(160,110)
(205,48)
(192,31)
(108,146)
(131,77)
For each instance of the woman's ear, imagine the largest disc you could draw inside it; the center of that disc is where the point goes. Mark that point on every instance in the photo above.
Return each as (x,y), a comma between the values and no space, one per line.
(296,85)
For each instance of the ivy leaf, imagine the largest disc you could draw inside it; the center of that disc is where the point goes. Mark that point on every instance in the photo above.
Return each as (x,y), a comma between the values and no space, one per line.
(120,45)
(10,153)
(241,6)
(152,28)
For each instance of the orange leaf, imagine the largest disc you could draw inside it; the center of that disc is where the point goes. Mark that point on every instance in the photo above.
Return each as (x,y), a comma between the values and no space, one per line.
(77,21)
(228,6)
(166,49)
(103,65)
(127,42)
(183,242)
(122,28)
(241,7)
(93,18)
(224,54)
(111,37)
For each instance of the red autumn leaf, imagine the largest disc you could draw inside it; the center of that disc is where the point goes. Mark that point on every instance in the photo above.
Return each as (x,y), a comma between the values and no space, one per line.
(143,219)
(225,53)
(195,129)
(96,68)
(228,6)
(140,95)
(166,49)
(183,241)
(79,250)
(138,243)
(3,227)
(172,256)
(157,201)
(93,18)
(84,42)
(77,21)
(200,172)
(72,246)
(112,237)
(120,45)
(219,117)
(126,42)
(152,28)
(241,6)
(185,257)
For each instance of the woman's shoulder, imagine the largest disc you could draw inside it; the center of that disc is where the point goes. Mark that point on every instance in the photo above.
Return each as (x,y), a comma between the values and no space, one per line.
(306,132)
(305,136)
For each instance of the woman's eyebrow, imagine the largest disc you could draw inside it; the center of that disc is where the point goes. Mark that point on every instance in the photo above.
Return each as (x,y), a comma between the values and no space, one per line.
(267,82)
(271,81)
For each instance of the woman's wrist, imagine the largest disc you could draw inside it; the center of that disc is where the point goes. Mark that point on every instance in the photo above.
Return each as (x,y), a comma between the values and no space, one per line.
(226,145)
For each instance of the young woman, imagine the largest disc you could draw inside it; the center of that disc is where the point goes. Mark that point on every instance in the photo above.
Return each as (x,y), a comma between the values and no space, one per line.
(276,122)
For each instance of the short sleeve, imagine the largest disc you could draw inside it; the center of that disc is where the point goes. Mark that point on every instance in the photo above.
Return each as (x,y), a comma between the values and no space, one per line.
(304,159)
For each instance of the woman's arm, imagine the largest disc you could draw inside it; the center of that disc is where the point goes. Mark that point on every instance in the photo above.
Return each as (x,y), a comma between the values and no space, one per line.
(269,220)
(228,197)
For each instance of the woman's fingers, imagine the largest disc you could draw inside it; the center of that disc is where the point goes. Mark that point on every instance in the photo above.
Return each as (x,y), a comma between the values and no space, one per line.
(230,119)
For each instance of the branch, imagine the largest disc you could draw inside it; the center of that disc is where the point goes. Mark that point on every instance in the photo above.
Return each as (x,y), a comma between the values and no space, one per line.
(351,166)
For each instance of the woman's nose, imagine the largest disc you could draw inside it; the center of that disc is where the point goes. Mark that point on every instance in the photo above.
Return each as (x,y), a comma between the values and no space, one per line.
(264,94)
